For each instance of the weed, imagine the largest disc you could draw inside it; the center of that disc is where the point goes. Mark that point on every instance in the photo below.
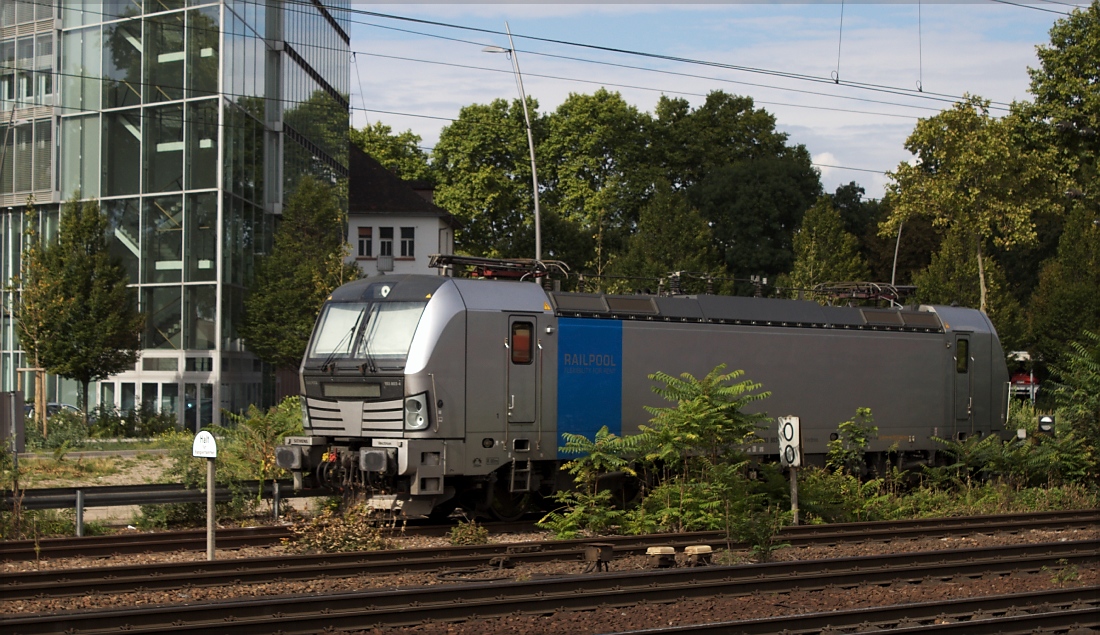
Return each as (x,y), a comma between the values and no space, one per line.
(1064,574)
(469,533)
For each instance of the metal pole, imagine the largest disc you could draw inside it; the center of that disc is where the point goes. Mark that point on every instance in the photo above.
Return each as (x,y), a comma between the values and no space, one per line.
(794,495)
(894,271)
(530,143)
(209,509)
(275,498)
(79,513)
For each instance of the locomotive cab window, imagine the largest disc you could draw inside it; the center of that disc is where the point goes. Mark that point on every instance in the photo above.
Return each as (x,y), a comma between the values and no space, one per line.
(962,356)
(523,342)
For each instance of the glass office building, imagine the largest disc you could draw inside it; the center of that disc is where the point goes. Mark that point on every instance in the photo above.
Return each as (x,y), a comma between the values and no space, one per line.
(190,121)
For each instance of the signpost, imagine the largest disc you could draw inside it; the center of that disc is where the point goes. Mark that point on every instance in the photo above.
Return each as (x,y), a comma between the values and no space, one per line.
(790,455)
(205,447)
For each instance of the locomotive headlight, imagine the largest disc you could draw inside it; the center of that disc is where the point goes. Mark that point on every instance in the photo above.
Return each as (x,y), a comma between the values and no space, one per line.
(416,412)
(305,415)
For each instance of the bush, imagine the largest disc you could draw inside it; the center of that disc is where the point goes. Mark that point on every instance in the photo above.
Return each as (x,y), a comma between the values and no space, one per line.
(469,533)
(65,430)
(108,422)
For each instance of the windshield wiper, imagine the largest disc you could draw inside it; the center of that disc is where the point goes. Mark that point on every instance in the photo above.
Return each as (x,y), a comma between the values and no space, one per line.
(366,347)
(336,349)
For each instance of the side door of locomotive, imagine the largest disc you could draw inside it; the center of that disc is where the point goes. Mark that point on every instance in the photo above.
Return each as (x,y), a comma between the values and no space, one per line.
(522,359)
(963,383)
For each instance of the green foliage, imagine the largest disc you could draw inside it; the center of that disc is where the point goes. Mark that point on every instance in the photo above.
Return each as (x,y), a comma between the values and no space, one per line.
(836,496)
(484,168)
(974,178)
(1077,392)
(246,452)
(65,431)
(671,236)
(108,422)
(331,531)
(761,531)
(469,533)
(953,277)
(824,251)
(175,515)
(753,208)
(588,507)
(292,282)
(77,316)
(399,152)
(1066,301)
(846,452)
(708,418)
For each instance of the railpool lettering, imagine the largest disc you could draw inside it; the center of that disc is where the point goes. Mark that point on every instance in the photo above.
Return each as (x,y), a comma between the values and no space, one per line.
(589,364)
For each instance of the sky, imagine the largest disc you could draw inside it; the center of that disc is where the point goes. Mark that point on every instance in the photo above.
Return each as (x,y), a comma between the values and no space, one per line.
(412,69)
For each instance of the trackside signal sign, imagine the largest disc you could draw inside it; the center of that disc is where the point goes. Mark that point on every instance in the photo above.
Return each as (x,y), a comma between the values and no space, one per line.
(790,451)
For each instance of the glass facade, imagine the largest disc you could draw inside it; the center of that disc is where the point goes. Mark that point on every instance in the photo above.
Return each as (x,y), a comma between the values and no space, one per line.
(191,122)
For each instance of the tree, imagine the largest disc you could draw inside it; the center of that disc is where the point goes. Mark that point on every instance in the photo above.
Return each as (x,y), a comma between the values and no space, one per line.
(291,284)
(823,250)
(77,316)
(952,278)
(725,129)
(484,168)
(671,236)
(1067,300)
(595,150)
(1066,98)
(399,152)
(971,178)
(753,208)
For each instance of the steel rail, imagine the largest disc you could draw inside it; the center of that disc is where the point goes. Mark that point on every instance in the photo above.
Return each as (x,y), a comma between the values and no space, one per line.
(112,544)
(1009,613)
(151,494)
(365,609)
(61,582)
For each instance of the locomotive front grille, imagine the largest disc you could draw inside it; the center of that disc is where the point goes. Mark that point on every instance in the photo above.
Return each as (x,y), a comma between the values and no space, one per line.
(332,417)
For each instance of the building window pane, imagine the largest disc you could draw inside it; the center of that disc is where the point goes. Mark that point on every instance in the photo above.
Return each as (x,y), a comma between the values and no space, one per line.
(122,64)
(202,239)
(106,395)
(407,238)
(169,398)
(200,317)
(365,242)
(43,155)
(385,241)
(123,232)
(164,149)
(164,58)
(122,152)
(162,308)
(190,397)
(81,161)
(163,244)
(202,52)
(129,396)
(149,397)
(202,144)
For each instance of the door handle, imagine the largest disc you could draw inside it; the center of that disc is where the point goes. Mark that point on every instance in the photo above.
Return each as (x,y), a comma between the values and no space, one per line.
(512,402)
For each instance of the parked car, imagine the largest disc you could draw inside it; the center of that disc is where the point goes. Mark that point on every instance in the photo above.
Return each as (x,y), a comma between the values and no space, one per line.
(51,409)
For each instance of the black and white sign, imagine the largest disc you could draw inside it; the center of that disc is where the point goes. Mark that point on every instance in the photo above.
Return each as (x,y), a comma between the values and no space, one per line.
(204,446)
(790,451)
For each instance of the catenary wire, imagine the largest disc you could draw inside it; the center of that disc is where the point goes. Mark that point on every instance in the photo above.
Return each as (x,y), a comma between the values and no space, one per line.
(571,79)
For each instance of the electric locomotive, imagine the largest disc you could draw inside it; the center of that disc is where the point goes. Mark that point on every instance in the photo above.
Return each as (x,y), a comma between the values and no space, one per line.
(432,391)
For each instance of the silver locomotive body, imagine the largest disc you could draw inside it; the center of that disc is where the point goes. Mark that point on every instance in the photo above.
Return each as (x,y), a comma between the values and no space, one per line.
(433,391)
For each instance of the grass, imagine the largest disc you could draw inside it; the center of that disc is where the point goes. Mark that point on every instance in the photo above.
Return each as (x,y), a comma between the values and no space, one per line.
(71,471)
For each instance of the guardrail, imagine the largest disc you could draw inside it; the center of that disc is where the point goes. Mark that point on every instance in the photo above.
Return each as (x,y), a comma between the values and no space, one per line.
(157,494)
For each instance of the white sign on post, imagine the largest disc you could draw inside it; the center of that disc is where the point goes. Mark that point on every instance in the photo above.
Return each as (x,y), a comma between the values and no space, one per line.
(204,446)
(790,452)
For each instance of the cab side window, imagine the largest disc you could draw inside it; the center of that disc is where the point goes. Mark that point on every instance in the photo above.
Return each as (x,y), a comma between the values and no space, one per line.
(522,342)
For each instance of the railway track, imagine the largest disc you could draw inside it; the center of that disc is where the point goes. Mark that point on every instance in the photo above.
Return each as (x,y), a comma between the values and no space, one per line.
(119,579)
(235,538)
(358,610)
(1013,614)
